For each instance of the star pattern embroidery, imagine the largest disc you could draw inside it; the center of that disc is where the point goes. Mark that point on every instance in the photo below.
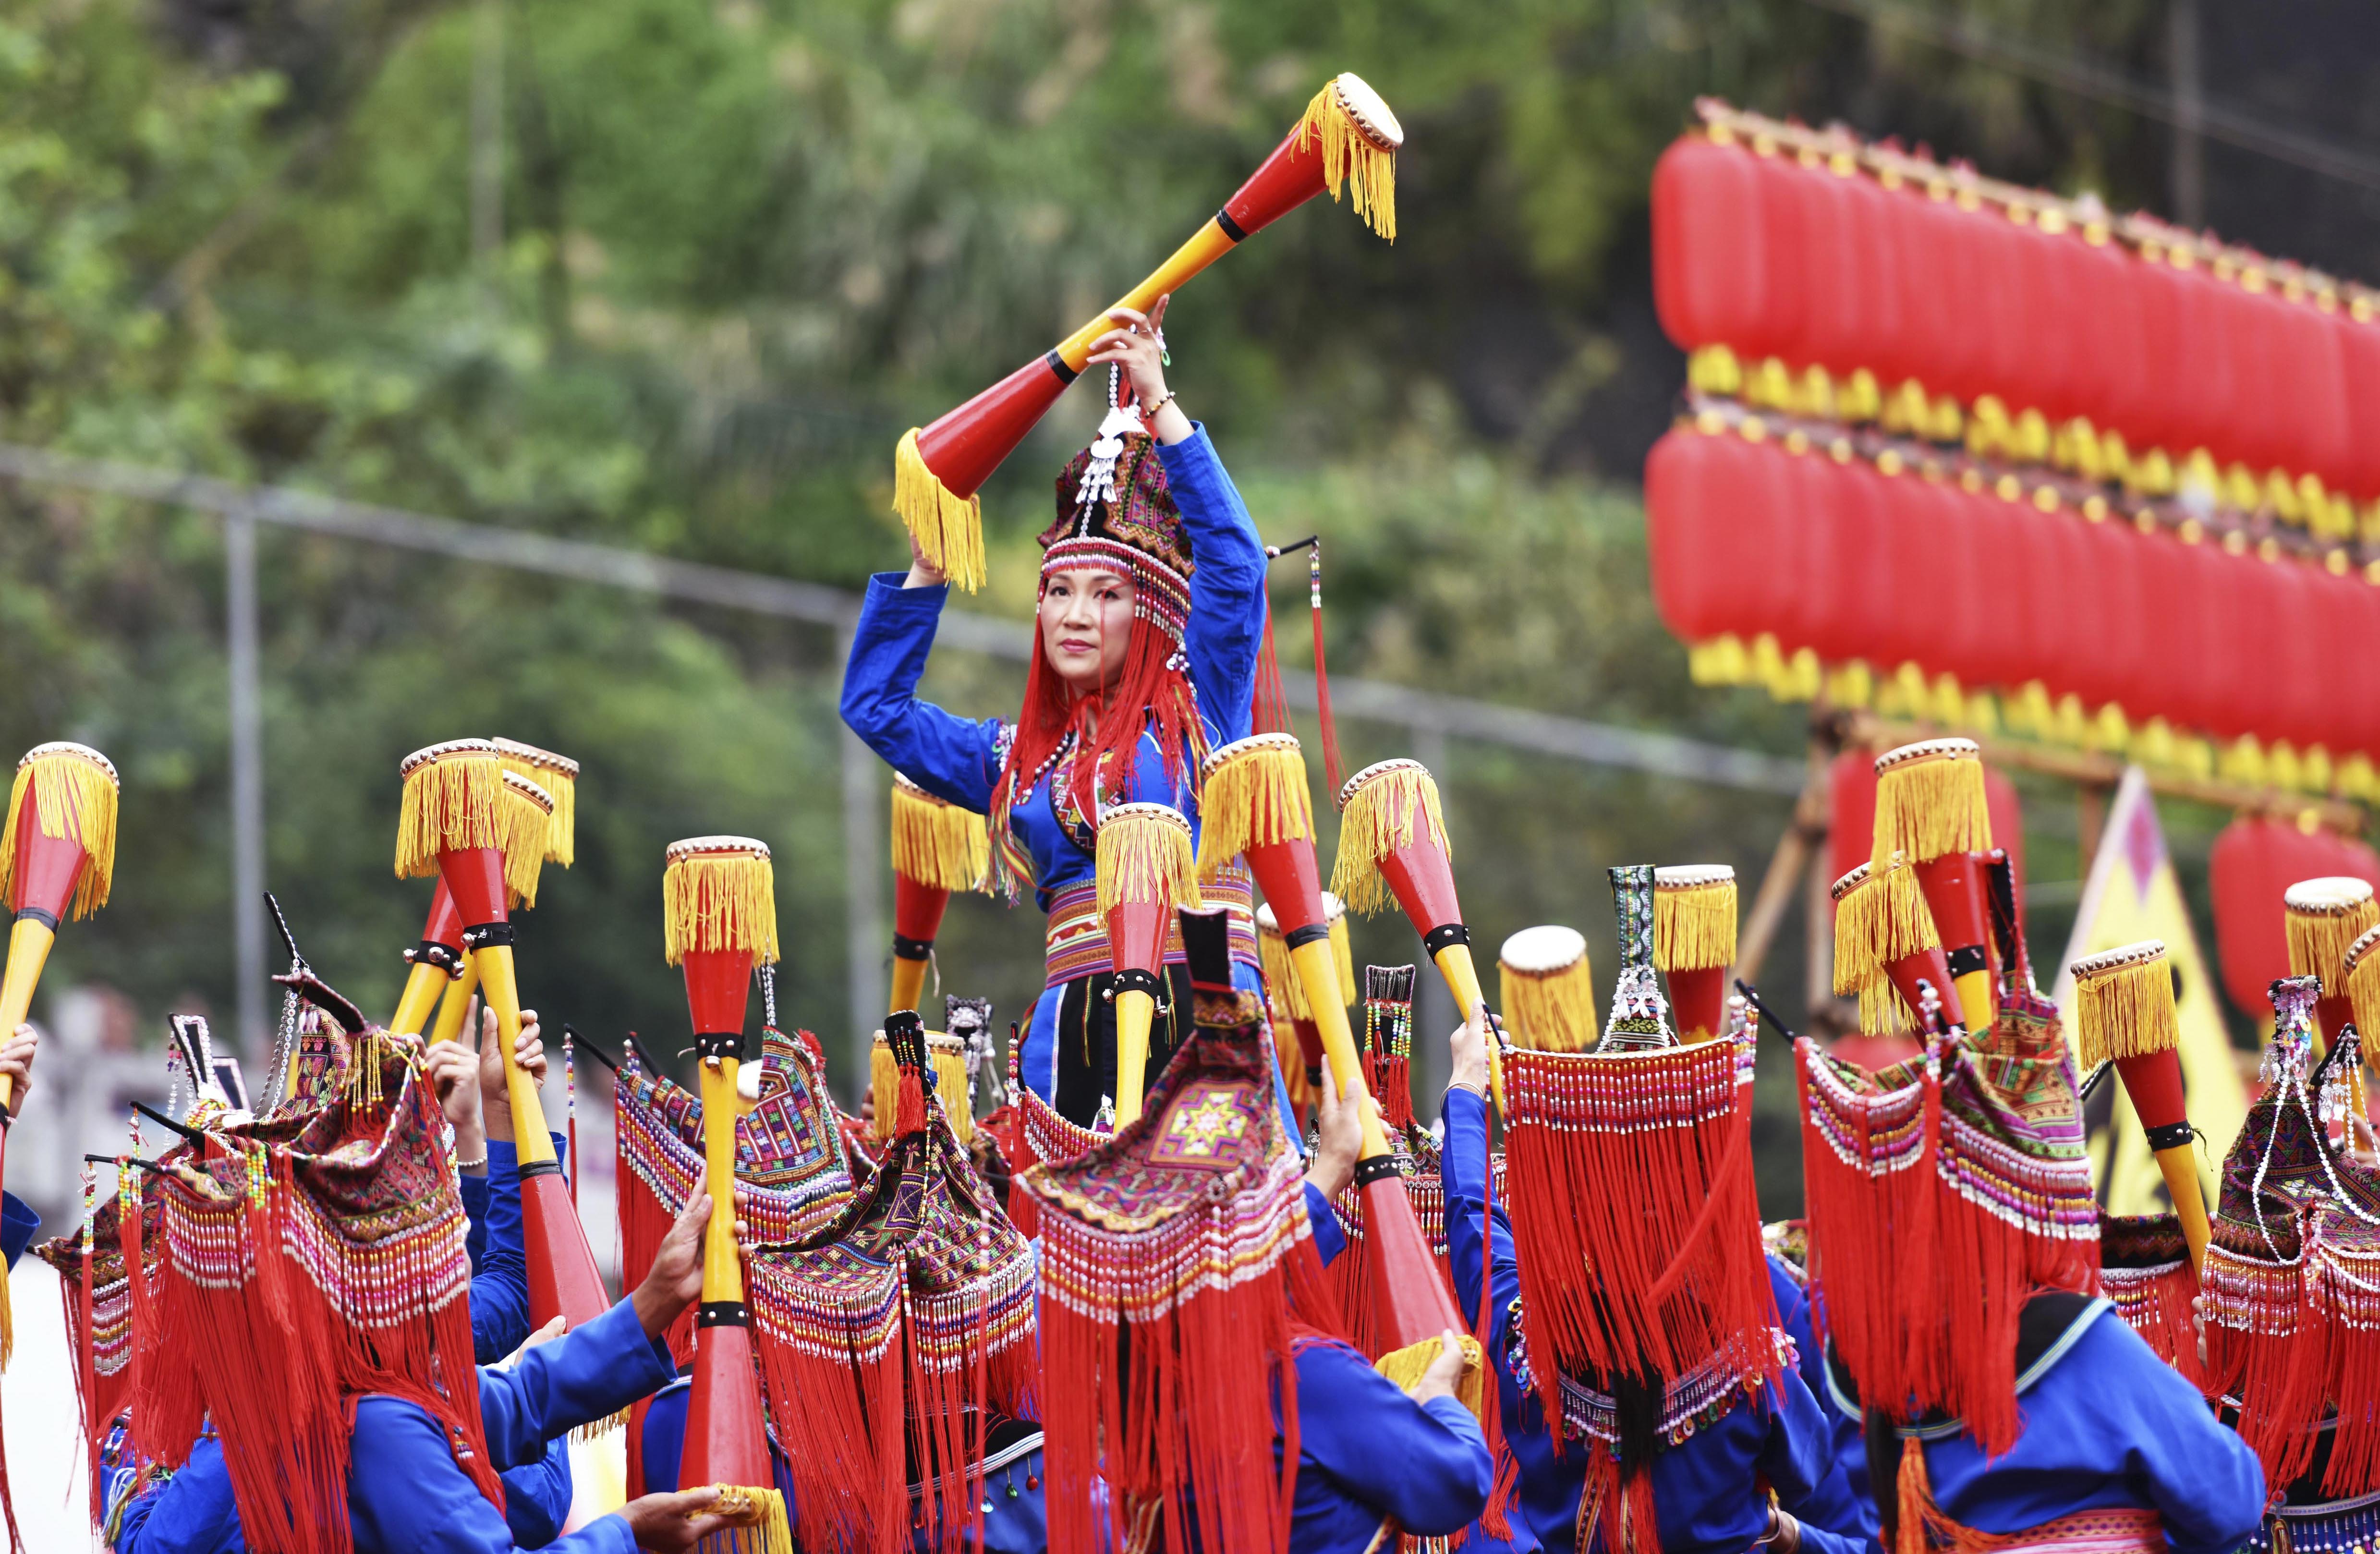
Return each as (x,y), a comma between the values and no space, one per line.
(1201,1127)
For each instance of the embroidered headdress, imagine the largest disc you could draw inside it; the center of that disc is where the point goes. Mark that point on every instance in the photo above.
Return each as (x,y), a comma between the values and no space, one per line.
(1115,512)
(1169,1256)
(307,1258)
(1645,1308)
(2293,1277)
(893,1338)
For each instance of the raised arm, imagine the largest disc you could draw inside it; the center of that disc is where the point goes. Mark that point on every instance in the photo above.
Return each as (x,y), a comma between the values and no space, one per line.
(1462,1170)
(1227,592)
(950,757)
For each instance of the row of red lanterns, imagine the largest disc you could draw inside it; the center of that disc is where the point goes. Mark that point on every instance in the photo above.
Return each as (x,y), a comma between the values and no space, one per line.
(1830,553)
(1916,278)
(2250,869)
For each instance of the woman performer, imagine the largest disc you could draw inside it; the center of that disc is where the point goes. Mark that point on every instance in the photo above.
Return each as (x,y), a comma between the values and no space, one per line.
(1152,617)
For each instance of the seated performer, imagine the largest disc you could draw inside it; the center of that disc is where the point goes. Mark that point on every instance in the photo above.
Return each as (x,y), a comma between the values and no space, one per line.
(1705,1488)
(1150,623)
(1954,1234)
(191,1511)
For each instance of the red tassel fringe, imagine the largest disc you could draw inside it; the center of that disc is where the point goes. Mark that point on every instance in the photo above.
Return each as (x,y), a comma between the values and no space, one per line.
(2158,1304)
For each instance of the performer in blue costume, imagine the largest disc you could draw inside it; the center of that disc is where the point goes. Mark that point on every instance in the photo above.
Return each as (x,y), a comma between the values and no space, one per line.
(1795,1314)
(1705,1488)
(191,1510)
(1150,623)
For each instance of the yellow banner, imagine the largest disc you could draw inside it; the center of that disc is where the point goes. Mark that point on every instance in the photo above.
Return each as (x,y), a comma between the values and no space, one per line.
(2132,895)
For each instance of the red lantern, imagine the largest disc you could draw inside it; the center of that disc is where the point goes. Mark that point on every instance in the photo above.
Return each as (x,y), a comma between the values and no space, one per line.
(1880,230)
(2313,365)
(2164,379)
(2044,377)
(2109,366)
(1710,258)
(1710,535)
(2252,866)
(2360,372)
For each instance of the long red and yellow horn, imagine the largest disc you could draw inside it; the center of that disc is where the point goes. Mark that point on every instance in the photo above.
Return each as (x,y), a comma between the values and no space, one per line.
(1886,946)
(58,862)
(436,962)
(1392,847)
(2124,1013)
(2323,917)
(457,820)
(1145,871)
(1348,138)
(1693,943)
(937,848)
(1931,810)
(1245,797)
(719,918)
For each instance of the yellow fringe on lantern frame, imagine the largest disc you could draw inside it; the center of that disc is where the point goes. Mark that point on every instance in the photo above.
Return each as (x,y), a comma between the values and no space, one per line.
(2123,1004)
(1694,925)
(75,798)
(558,775)
(948,529)
(1931,804)
(1143,855)
(528,831)
(947,1054)
(1550,1012)
(938,843)
(2322,926)
(1376,820)
(720,901)
(450,801)
(1252,794)
(1404,1366)
(1353,158)
(756,1518)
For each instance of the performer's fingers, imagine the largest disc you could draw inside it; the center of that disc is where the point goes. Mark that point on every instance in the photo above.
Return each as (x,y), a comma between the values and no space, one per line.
(1130,316)
(1157,314)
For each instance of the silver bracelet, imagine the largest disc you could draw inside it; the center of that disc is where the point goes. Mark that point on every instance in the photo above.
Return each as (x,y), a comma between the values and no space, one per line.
(479,1164)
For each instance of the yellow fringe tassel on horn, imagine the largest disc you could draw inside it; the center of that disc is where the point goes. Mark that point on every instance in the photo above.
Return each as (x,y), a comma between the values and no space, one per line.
(2323,919)
(949,530)
(1929,801)
(452,800)
(1143,855)
(1341,947)
(1876,924)
(558,775)
(528,816)
(1694,918)
(938,843)
(1404,1366)
(1253,793)
(2123,1003)
(1379,813)
(947,1054)
(1546,990)
(2361,964)
(757,1522)
(718,900)
(75,797)
(1280,977)
(1352,158)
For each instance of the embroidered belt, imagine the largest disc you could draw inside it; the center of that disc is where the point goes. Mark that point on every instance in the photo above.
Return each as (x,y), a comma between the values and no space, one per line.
(2333,1527)
(2124,1529)
(1078,936)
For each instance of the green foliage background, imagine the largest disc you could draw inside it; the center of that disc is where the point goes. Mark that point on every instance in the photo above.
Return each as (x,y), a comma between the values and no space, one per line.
(744,244)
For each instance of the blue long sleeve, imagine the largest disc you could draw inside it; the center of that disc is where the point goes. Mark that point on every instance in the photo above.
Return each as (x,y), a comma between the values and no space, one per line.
(1330,1235)
(2109,1424)
(18,1224)
(192,1512)
(1226,589)
(1856,1516)
(406,1493)
(500,1284)
(474,1193)
(537,1497)
(1366,1451)
(588,1374)
(948,756)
